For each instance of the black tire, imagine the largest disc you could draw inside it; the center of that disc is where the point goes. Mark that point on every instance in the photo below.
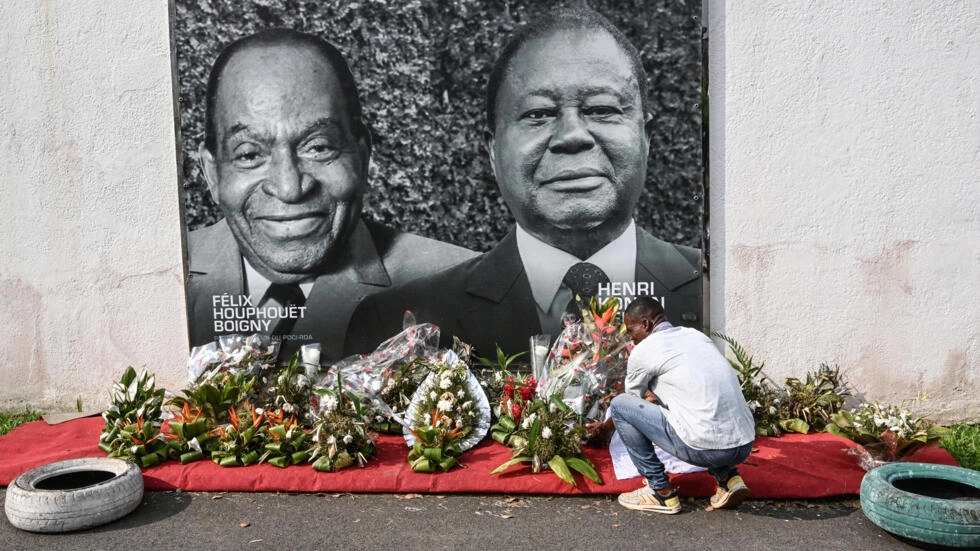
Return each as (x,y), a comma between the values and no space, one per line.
(74,494)
(932,504)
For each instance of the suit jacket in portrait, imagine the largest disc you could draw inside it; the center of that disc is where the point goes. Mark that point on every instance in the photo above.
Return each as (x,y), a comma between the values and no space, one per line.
(377,258)
(487,301)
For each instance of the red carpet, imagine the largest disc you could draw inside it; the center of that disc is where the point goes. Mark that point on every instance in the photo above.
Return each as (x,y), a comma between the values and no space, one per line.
(794,466)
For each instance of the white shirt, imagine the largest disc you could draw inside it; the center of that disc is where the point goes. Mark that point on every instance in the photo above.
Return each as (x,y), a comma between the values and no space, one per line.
(698,387)
(257,284)
(546,266)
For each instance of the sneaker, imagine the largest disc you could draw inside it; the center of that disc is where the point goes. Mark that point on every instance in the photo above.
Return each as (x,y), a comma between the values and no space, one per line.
(731,495)
(647,499)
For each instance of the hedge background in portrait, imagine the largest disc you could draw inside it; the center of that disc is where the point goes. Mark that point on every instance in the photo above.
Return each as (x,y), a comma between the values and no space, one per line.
(421,69)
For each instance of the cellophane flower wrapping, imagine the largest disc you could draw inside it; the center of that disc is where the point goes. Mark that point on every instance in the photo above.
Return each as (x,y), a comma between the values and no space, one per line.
(453,395)
(252,354)
(389,376)
(588,360)
(239,368)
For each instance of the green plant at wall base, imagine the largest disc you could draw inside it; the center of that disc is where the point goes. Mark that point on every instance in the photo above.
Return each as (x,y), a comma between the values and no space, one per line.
(799,406)
(963,443)
(10,420)
(814,400)
(762,395)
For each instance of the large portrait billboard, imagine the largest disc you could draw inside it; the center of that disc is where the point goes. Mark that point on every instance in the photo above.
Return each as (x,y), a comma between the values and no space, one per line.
(343,163)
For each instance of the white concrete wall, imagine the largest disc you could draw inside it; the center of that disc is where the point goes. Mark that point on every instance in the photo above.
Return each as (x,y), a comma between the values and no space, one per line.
(92,276)
(845,192)
(845,225)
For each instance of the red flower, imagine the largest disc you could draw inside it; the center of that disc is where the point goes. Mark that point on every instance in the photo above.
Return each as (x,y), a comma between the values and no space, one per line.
(529,391)
(509,389)
(515,411)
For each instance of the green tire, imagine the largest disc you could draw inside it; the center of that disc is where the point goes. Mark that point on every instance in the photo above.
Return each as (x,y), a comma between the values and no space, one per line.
(951,519)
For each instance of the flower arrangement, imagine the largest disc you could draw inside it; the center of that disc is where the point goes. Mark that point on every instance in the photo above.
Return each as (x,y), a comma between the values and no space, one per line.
(340,434)
(391,374)
(189,436)
(449,414)
(541,433)
(436,444)
(240,409)
(588,360)
(884,432)
(286,442)
(240,442)
(292,391)
(493,376)
(216,396)
(400,385)
(133,419)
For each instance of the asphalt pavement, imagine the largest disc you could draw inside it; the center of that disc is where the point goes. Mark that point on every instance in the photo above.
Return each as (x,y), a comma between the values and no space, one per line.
(245,521)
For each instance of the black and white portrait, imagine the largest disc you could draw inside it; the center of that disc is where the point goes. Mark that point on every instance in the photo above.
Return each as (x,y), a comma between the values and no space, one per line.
(348,160)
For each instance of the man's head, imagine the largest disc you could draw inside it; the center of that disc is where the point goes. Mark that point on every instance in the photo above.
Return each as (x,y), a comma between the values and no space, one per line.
(641,316)
(285,153)
(569,132)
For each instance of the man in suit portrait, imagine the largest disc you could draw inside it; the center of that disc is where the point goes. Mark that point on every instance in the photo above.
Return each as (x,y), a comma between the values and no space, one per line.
(568,135)
(285,157)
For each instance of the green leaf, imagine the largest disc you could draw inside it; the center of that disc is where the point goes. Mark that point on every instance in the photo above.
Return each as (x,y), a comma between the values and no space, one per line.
(835,430)
(432,454)
(128,377)
(448,463)
(250,458)
(191,457)
(794,425)
(505,423)
(557,401)
(510,463)
(281,461)
(533,434)
(323,465)
(558,465)
(584,467)
(500,436)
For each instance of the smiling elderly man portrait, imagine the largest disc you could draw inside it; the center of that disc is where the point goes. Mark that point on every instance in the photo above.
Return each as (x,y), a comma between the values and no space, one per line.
(286,159)
(568,135)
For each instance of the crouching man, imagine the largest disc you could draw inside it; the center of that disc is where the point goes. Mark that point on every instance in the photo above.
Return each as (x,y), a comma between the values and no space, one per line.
(681,395)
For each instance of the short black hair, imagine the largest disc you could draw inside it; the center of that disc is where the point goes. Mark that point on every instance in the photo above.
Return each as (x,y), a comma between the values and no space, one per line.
(644,308)
(279,37)
(577,18)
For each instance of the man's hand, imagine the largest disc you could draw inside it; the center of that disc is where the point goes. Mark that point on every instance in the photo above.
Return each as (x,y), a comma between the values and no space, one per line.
(600,433)
(649,396)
